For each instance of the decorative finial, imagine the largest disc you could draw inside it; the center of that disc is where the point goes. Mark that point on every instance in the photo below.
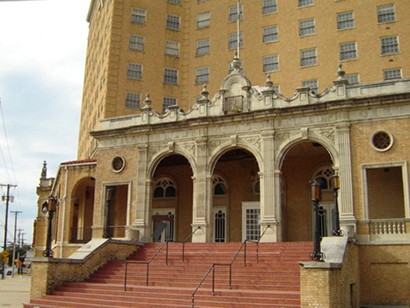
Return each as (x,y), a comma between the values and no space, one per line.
(44,170)
(204,92)
(268,81)
(236,62)
(340,72)
(147,102)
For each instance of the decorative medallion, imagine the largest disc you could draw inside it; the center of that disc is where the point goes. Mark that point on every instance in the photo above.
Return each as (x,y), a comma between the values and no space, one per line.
(382,141)
(118,164)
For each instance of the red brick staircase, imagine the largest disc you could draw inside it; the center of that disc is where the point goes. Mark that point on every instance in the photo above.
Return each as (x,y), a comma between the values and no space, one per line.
(269,279)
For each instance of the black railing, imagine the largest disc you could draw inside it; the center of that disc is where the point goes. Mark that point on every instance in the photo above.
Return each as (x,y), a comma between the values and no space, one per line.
(185,240)
(147,263)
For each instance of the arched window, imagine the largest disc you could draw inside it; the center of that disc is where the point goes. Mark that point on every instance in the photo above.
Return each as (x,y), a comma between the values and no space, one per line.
(219,185)
(323,176)
(164,188)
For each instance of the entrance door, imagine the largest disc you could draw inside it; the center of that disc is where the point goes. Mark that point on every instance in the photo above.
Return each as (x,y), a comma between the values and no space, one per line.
(250,221)
(219,217)
(163,225)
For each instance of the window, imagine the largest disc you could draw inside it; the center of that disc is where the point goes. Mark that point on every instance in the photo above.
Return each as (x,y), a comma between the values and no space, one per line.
(167,102)
(233,13)
(132,100)
(202,47)
(174,1)
(348,51)
(312,84)
(386,13)
(308,57)
(203,20)
(172,48)
(270,63)
(170,76)
(164,188)
(136,42)
(202,75)
(391,74)
(390,45)
(352,78)
(270,34)
(307,27)
(233,40)
(173,22)
(345,20)
(269,6)
(138,16)
(305,2)
(134,71)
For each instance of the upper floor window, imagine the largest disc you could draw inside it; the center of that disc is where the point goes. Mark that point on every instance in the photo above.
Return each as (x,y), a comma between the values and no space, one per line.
(348,51)
(270,63)
(173,22)
(134,71)
(270,34)
(308,57)
(167,102)
(138,16)
(132,100)
(136,42)
(202,75)
(305,2)
(233,13)
(219,185)
(389,45)
(345,20)
(307,27)
(386,13)
(269,6)
(170,76)
(233,40)
(164,188)
(203,20)
(391,74)
(311,83)
(202,47)
(352,78)
(172,48)
(174,1)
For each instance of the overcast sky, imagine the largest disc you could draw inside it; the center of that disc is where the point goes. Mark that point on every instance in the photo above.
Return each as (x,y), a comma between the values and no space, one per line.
(42,56)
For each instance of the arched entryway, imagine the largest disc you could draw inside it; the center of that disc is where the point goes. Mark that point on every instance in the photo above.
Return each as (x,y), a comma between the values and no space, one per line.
(171,199)
(82,211)
(235,197)
(303,162)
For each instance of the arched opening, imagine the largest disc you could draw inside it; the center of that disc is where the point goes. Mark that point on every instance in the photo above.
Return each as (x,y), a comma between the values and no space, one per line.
(305,161)
(235,202)
(82,211)
(172,195)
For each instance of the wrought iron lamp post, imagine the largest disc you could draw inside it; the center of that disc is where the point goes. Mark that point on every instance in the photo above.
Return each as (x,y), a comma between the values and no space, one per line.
(335,182)
(316,193)
(50,208)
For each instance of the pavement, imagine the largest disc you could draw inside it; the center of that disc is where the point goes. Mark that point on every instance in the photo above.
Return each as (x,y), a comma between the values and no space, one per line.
(15,291)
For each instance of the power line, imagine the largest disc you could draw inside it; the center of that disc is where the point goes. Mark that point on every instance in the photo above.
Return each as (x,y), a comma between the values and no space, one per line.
(8,147)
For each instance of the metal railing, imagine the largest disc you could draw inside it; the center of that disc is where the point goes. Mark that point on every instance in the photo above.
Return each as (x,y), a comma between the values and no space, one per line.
(147,263)
(184,241)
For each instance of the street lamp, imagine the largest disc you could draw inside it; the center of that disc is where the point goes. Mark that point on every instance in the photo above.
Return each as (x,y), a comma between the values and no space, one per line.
(50,208)
(335,182)
(316,193)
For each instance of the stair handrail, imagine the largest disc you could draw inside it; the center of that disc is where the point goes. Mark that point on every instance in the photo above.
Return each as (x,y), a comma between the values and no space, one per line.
(147,263)
(186,239)
(257,242)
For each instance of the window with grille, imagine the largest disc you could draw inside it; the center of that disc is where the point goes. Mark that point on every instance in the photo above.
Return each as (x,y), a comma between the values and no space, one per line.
(307,27)
(167,102)
(202,75)
(302,3)
(392,74)
(202,47)
(308,57)
(219,226)
(252,224)
(233,13)
(174,1)
(345,20)
(172,48)
(173,22)
(270,34)
(134,71)
(389,45)
(269,6)
(270,63)
(132,100)
(352,78)
(233,40)
(170,76)
(136,42)
(386,13)
(203,20)
(164,188)
(348,51)
(138,16)
(312,84)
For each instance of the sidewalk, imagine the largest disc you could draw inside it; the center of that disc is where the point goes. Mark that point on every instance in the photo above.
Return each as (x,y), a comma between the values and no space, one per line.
(14,292)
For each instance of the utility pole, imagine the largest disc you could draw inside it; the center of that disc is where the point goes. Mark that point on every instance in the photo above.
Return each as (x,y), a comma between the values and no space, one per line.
(14,242)
(7,199)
